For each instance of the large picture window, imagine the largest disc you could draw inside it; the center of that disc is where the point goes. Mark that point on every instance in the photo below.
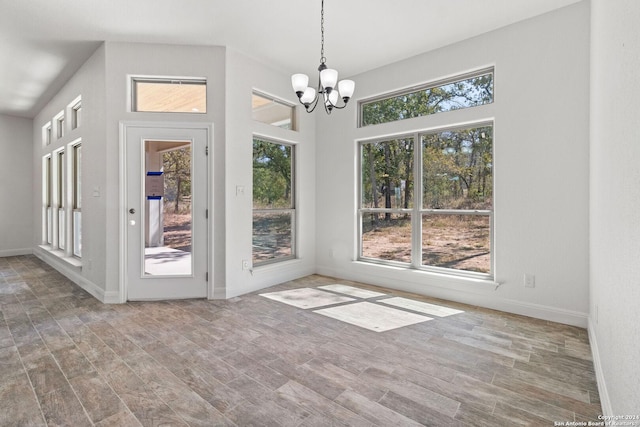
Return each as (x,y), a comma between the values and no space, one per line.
(273,201)
(427,200)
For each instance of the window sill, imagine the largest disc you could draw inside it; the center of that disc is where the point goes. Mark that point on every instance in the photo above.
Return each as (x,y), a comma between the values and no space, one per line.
(449,281)
(275,265)
(60,254)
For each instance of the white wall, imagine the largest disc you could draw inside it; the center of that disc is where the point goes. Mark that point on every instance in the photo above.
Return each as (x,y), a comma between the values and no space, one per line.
(614,323)
(88,82)
(243,75)
(16,186)
(126,59)
(541,166)
(103,83)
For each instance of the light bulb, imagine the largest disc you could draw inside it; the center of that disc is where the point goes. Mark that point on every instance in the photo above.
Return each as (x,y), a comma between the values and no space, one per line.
(299,82)
(333,97)
(346,88)
(328,78)
(308,95)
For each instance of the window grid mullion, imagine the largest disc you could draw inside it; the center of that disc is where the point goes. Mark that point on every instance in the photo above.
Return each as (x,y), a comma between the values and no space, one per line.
(416,217)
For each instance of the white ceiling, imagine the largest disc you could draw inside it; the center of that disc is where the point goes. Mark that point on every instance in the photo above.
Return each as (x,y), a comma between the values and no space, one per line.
(43,42)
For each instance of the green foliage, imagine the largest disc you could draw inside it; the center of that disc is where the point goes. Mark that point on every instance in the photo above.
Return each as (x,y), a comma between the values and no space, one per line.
(387,174)
(457,169)
(177,176)
(461,94)
(272,170)
(457,164)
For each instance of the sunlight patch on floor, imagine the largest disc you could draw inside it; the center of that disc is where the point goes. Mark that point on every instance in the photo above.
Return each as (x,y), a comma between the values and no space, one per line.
(371,316)
(352,291)
(307,298)
(421,307)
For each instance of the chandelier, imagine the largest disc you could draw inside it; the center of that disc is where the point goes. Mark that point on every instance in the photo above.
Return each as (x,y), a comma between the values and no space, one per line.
(327,80)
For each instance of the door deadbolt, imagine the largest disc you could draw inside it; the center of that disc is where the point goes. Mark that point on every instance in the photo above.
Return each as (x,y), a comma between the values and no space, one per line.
(132,211)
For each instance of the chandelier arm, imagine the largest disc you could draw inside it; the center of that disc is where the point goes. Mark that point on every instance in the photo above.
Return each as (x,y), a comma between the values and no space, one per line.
(340,108)
(336,106)
(315,103)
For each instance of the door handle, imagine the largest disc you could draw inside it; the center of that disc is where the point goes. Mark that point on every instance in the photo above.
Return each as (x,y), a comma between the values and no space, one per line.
(132,211)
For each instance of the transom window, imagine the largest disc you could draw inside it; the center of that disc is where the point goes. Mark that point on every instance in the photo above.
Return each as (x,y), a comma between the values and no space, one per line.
(464,91)
(59,122)
(427,200)
(272,111)
(47,134)
(169,95)
(76,113)
(274,213)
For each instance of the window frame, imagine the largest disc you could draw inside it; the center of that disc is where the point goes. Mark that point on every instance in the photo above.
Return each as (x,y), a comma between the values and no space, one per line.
(76,198)
(134,80)
(47,202)
(364,210)
(423,87)
(60,199)
(417,212)
(291,210)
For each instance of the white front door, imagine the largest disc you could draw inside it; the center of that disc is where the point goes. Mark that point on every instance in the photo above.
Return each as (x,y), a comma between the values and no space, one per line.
(166,203)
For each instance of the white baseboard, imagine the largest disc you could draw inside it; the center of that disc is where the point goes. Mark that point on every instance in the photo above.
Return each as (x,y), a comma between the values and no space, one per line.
(605,401)
(74,274)
(267,275)
(458,293)
(15,252)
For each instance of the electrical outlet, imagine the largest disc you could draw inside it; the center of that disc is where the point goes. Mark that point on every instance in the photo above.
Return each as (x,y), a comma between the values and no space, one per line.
(529,280)
(245,264)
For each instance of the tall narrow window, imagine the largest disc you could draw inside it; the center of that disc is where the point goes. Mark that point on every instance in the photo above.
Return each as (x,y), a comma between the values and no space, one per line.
(61,192)
(457,202)
(169,95)
(47,200)
(274,212)
(387,199)
(76,192)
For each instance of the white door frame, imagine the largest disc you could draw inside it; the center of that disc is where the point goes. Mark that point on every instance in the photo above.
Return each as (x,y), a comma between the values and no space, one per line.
(123,205)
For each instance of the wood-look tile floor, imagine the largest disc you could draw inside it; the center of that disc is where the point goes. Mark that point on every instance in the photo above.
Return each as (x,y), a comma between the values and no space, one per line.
(67,359)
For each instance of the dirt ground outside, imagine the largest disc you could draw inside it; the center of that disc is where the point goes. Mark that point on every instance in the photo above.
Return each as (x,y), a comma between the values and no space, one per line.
(177,230)
(271,236)
(451,241)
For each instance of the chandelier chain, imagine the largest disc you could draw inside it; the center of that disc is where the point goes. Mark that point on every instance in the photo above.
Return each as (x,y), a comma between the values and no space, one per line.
(329,91)
(322,58)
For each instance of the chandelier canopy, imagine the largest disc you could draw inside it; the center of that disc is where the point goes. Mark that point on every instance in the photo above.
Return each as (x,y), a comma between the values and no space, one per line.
(330,90)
